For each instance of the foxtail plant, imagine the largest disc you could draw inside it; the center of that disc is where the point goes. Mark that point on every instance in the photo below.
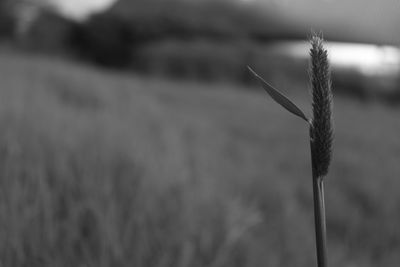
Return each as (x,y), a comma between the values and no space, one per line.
(321,133)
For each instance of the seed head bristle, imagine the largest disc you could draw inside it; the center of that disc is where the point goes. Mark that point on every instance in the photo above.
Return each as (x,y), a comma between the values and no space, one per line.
(321,129)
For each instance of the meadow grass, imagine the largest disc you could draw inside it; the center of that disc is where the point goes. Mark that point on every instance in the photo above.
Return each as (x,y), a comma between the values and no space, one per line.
(109,169)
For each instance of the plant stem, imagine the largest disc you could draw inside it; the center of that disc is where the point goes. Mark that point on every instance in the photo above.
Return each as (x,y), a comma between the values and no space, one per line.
(319,214)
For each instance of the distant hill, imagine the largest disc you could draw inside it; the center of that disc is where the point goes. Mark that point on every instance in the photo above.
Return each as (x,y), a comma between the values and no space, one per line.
(351,21)
(208,17)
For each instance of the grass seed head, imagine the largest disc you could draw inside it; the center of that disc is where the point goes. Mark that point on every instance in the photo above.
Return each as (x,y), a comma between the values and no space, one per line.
(321,130)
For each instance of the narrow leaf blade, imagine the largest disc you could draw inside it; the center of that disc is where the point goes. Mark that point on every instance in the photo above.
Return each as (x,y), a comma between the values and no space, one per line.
(280,98)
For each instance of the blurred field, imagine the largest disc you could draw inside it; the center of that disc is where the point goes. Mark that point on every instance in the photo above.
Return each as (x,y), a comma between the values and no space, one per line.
(107,169)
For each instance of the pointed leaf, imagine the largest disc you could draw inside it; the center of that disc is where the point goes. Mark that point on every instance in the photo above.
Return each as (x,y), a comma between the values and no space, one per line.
(279,97)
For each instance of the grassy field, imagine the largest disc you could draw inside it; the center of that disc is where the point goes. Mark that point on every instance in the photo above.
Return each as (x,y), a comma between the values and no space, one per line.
(108,169)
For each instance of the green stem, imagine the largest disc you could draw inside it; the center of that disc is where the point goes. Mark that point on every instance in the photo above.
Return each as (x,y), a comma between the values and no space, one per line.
(320,221)
(319,215)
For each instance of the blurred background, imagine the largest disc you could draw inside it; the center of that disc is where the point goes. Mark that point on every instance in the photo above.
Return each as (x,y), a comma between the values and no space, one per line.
(132,133)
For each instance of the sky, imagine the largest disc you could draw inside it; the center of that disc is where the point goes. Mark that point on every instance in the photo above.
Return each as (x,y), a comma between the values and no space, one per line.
(375,21)
(80,8)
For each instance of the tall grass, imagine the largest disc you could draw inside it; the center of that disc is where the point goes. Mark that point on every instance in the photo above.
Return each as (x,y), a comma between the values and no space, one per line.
(321,133)
(321,138)
(151,172)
